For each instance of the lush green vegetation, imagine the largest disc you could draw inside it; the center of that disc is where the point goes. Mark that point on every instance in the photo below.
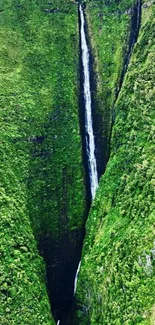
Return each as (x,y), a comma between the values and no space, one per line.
(42,180)
(41,161)
(117,278)
(57,194)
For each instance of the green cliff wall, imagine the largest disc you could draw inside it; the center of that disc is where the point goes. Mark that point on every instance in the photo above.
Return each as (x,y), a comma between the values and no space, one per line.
(109,32)
(22,274)
(117,278)
(41,161)
(57,193)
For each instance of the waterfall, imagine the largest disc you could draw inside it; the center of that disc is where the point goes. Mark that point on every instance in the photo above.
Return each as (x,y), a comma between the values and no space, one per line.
(89,135)
(90,143)
(76,277)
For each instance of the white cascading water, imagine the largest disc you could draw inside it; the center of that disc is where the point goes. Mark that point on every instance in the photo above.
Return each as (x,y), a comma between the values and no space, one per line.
(90,143)
(76,277)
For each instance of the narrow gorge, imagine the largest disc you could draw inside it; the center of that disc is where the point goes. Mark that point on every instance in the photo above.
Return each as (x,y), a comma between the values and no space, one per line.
(77,240)
(88,134)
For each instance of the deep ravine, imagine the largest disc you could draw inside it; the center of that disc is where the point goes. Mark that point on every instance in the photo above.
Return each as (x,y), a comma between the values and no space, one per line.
(88,129)
(88,134)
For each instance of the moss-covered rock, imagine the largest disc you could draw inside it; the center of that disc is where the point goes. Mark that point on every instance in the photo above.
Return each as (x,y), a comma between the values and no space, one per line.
(117,277)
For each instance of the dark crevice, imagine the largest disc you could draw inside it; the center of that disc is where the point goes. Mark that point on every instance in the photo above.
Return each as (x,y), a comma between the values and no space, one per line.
(61,258)
(134,33)
(101,143)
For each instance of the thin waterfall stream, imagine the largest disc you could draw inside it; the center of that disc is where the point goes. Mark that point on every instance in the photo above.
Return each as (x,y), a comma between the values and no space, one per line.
(89,134)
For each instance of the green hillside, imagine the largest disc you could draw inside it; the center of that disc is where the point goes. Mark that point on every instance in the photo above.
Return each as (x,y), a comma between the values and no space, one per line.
(42,177)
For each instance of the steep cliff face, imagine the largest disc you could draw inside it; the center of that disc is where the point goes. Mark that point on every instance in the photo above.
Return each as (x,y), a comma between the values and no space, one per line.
(117,278)
(110,32)
(57,200)
(42,173)
(22,273)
